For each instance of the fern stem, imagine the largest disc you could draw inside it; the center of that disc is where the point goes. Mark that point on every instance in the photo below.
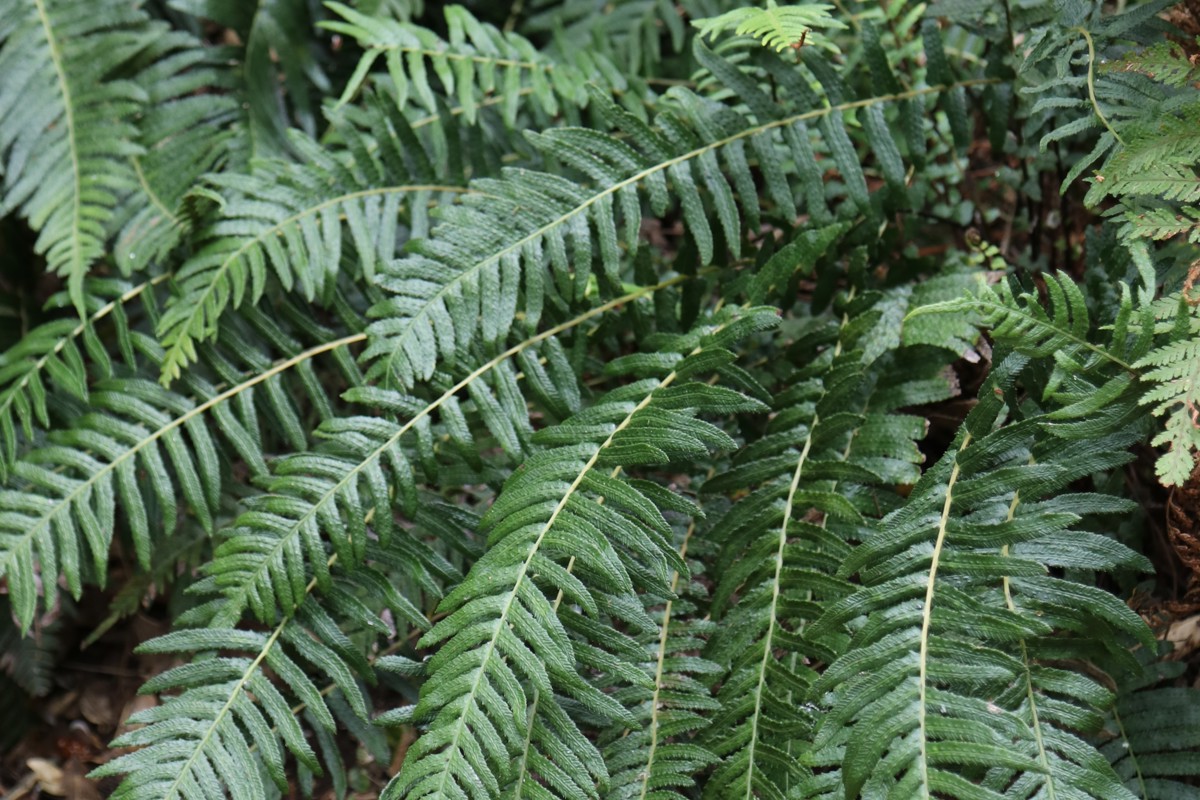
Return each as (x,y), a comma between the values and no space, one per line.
(659,666)
(75,278)
(927,619)
(1137,766)
(1030,697)
(1091,83)
(154,198)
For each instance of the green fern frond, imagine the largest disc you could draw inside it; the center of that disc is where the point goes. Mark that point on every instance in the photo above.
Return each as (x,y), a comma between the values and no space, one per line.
(777,27)
(503,644)
(919,701)
(659,759)
(822,465)
(278,68)
(227,724)
(486,261)
(53,356)
(270,551)
(1172,377)
(290,226)
(65,134)
(1164,223)
(477,61)
(1152,735)
(188,127)
(62,498)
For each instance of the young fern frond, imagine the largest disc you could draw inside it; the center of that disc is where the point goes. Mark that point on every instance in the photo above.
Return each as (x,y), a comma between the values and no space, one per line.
(503,644)
(289,224)
(65,130)
(1171,374)
(777,27)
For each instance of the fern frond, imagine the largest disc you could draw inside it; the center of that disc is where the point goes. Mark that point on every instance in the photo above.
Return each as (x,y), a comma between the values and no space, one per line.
(477,61)
(659,758)
(503,645)
(486,261)
(290,225)
(777,27)
(65,130)
(1151,736)
(918,699)
(61,500)
(227,724)
(53,356)
(188,127)
(374,461)
(821,467)
(1164,223)
(1172,377)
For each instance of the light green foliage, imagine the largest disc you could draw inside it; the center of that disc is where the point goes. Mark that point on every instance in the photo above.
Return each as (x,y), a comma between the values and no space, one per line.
(611,400)
(777,27)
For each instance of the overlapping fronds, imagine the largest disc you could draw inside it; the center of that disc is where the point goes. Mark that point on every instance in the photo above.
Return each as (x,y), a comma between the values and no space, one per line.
(378,462)
(232,720)
(294,226)
(55,355)
(65,131)
(566,523)
(918,704)
(143,449)
(487,259)
(478,61)
(1151,735)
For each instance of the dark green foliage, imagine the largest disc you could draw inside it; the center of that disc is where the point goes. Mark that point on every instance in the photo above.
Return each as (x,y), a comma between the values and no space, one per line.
(626,400)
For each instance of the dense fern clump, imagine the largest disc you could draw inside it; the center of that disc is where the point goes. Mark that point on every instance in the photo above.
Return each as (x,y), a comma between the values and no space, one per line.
(623,400)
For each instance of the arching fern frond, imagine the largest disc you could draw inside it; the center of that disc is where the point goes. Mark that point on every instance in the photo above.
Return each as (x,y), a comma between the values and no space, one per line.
(55,355)
(231,721)
(378,461)
(1172,377)
(61,499)
(295,226)
(507,653)
(487,259)
(65,130)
